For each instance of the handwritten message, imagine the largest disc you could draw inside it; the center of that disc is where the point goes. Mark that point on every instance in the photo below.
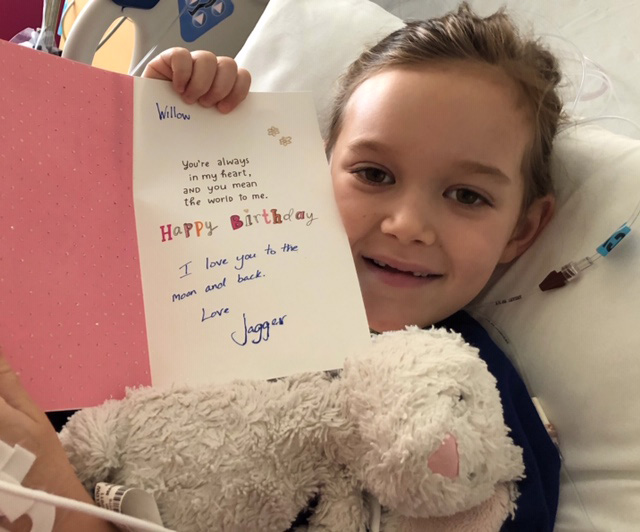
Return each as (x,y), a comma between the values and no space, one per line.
(245,265)
(216,274)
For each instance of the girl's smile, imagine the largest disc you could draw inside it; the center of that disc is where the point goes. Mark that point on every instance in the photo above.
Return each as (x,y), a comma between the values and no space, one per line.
(400,274)
(427,174)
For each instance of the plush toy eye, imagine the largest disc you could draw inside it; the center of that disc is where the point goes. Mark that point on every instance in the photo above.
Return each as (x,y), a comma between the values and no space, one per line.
(454,394)
(465,396)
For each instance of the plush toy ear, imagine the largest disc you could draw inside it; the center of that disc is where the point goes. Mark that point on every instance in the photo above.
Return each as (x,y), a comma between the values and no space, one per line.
(531,224)
(92,443)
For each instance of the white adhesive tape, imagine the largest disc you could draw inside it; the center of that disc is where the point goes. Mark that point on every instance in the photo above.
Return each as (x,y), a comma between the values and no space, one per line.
(15,463)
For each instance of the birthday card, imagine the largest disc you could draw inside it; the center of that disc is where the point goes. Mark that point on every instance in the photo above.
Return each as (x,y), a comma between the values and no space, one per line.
(148,242)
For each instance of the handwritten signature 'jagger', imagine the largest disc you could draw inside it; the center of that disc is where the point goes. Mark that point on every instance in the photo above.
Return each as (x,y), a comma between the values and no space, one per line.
(261,330)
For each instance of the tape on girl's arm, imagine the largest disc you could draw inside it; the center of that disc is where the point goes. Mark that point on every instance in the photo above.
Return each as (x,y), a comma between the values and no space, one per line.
(15,463)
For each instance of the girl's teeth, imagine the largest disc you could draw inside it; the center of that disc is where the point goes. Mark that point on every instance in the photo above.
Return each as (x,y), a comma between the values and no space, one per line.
(415,274)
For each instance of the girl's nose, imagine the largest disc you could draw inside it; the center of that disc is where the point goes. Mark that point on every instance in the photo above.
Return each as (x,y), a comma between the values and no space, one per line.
(409,220)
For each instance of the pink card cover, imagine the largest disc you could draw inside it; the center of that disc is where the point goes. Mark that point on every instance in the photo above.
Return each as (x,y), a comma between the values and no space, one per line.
(72,319)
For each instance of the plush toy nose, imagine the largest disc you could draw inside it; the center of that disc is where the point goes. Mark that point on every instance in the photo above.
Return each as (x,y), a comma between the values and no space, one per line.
(445,460)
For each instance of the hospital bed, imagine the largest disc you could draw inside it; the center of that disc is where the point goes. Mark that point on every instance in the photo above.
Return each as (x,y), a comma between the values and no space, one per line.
(578,348)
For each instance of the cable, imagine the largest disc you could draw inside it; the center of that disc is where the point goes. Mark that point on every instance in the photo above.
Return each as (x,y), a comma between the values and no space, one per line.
(139,525)
(104,41)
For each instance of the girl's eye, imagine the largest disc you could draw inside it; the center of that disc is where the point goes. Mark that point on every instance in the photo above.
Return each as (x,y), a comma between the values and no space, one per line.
(469,197)
(374,176)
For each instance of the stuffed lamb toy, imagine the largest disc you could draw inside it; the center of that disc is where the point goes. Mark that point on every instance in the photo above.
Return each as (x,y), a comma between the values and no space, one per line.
(415,422)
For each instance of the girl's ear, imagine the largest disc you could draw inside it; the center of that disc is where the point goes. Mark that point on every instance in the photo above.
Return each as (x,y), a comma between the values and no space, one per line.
(529,227)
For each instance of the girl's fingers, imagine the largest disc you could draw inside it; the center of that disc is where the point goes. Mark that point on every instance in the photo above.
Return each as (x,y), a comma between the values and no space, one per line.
(160,67)
(181,66)
(202,76)
(174,64)
(222,83)
(205,71)
(238,92)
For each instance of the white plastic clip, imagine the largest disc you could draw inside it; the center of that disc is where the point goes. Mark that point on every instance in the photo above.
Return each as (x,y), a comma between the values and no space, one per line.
(15,463)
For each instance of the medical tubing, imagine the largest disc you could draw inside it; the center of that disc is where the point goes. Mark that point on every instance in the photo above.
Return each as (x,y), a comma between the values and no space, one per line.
(634,216)
(117,27)
(573,268)
(600,73)
(583,121)
(139,525)
(582,64)
(606,84)
(568,272)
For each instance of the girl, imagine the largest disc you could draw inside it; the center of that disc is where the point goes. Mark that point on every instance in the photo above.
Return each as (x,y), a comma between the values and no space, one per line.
(438,146)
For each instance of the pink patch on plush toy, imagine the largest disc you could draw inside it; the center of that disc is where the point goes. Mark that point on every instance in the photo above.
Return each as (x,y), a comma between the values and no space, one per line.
(445,460)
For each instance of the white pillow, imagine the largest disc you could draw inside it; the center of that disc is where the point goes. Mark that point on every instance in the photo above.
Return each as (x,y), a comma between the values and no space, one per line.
(577,348)
(304,45)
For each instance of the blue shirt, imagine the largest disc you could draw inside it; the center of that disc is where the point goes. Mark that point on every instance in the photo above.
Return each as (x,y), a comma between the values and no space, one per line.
(538,501)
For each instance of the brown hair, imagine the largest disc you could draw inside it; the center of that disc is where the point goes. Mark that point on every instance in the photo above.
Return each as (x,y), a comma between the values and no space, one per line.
(463,35)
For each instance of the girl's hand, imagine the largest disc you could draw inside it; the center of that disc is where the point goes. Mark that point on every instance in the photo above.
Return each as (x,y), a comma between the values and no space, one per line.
(201,77)
(23,423)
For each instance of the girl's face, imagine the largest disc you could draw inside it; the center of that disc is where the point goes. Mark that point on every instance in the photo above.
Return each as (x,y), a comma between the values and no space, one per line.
(427,174)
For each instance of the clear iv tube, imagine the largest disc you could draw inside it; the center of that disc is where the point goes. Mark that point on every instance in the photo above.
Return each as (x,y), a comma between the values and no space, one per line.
(571,270)
(632,219)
